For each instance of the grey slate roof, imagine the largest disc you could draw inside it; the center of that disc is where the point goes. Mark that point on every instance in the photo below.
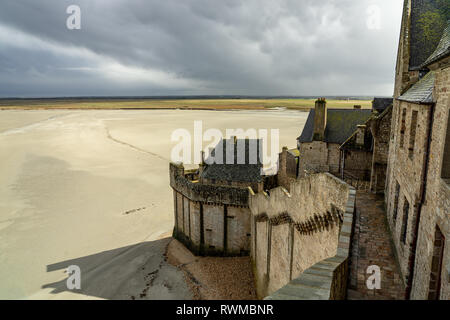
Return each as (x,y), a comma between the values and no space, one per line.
(424,28)
(443,48)
(421,91)
(230,172)
(244,172)
(380,104)
(341,123)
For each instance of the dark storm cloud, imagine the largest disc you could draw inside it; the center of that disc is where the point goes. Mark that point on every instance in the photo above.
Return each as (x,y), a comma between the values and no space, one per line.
(142,47)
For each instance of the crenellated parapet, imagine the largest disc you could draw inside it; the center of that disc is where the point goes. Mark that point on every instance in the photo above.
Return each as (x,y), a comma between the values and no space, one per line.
(316,194)
(206,193)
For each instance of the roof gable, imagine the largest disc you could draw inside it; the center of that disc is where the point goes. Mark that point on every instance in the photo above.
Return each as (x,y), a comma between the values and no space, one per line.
(341,123)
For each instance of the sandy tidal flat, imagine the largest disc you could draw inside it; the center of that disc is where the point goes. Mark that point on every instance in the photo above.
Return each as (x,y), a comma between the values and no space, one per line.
(91,188)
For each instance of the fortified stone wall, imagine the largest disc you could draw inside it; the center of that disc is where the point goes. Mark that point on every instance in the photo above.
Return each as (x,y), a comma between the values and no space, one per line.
(210,219)
(291,231)
(255,185)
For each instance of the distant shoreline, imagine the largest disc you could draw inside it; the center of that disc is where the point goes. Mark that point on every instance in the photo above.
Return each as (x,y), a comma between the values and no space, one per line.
(303,104)
(192,97)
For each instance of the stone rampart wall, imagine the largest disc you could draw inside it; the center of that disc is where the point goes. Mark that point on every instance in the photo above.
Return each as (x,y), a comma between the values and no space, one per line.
(300,239)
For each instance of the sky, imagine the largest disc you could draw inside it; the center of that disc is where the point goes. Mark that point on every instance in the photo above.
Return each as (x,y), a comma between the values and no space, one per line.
(199,47)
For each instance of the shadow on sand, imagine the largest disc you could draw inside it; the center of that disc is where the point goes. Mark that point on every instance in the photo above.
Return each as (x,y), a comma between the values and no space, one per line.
(133,272)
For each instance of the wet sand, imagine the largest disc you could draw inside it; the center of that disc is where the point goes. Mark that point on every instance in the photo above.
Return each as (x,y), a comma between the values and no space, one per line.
(91,188)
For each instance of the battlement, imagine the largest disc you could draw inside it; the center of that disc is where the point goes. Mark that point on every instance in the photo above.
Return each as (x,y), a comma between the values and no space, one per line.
(186,183)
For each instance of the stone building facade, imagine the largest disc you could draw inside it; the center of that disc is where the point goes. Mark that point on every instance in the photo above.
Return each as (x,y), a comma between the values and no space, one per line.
(417,190)
(324,132)
(364,154)
(380,127)
(287,168)
(356,155)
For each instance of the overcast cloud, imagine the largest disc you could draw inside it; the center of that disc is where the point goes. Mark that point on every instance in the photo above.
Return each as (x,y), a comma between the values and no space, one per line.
(186,47)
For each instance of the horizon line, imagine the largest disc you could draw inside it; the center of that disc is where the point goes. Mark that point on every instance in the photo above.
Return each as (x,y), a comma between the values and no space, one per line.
(186,97)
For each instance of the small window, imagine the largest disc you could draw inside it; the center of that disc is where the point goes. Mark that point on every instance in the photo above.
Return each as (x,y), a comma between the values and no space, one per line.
(397,194)
(412,134)
(402,128)
(405,221)
(434,287)
(445,173)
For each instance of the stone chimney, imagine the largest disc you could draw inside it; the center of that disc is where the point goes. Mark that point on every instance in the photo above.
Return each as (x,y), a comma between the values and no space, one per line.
(320,119)
(360,132)
(202,165)
(282,169)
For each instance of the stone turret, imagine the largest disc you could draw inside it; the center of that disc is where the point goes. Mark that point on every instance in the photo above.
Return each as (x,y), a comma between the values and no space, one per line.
(360,132)
(320,119)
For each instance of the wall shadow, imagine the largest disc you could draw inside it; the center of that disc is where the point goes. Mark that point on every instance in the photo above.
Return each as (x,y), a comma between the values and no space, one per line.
(133,272)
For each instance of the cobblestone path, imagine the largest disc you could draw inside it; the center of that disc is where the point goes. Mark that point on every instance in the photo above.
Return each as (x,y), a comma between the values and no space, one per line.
(371,245)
